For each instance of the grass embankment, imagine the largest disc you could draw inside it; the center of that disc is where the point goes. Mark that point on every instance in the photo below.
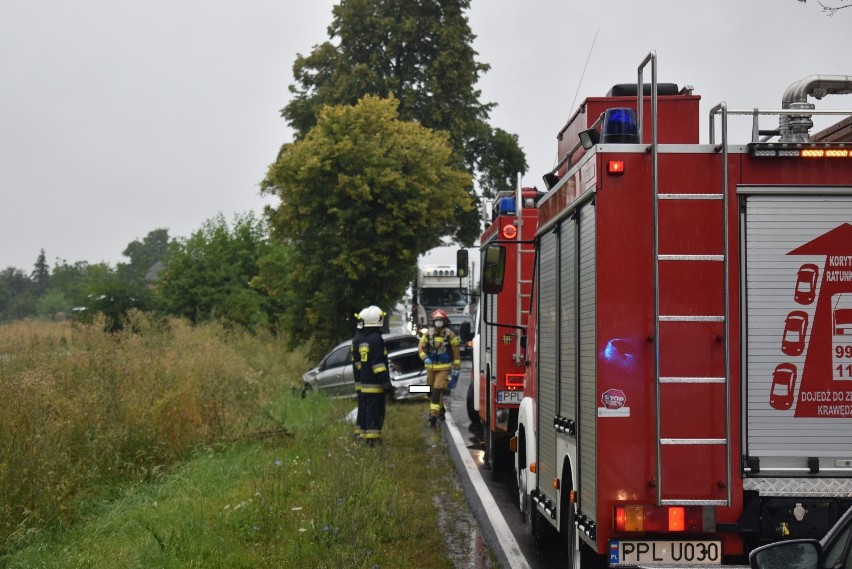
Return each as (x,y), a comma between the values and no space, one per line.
(175,446)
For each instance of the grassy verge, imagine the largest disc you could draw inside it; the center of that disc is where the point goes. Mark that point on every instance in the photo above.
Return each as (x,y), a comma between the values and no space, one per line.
(244,493)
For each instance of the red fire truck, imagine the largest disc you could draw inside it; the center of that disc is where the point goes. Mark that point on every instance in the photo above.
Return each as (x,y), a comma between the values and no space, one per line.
(684,295)
(502,322)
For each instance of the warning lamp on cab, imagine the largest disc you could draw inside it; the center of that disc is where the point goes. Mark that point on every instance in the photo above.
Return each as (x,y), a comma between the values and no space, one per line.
(615,167)
(619,127)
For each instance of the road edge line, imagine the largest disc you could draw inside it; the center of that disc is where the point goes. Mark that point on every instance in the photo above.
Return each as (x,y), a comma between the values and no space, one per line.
(507,541)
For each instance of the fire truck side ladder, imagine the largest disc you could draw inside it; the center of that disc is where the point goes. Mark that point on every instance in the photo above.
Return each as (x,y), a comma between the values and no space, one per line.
(524,298)
(662,382)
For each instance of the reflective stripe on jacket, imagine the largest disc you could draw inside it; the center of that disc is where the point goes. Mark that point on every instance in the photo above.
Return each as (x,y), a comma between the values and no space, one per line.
(442,347)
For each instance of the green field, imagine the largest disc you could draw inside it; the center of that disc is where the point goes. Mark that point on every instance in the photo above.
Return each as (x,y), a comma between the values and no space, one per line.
(179,446)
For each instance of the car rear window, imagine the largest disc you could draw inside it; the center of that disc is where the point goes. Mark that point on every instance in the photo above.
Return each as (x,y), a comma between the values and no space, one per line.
(401,343)
(407,363)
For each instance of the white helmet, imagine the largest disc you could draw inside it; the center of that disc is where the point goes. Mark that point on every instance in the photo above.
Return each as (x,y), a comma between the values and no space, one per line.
(372,316)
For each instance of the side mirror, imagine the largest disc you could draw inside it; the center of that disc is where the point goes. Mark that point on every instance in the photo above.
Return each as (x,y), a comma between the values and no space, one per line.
(464,332)
(493,269)
(462,263)
(793,554)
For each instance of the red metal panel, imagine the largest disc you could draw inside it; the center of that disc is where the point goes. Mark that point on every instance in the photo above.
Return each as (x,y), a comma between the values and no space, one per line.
(692,227)
(692,410)
(625,357)
(690,349)
(691,288)
(696,471)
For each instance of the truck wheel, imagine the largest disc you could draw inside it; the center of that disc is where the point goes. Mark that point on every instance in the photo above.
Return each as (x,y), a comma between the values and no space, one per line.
(496,454)
(471,412)
(523,491)
(491,454)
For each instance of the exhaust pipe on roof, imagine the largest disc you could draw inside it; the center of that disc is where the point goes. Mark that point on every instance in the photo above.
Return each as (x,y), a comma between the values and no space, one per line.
(796,128)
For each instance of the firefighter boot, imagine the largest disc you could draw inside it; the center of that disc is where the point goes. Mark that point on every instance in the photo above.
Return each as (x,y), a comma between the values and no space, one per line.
(433,422)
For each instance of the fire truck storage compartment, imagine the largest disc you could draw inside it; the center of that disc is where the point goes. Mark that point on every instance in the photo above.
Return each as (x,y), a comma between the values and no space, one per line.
(797,272)
(567,351)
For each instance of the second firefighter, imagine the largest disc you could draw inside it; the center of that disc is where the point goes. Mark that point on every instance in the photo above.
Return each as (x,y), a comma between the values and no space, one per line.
(439,350)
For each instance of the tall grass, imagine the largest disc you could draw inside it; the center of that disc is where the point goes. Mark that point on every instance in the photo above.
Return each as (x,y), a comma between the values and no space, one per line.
(82,411)
(310,496)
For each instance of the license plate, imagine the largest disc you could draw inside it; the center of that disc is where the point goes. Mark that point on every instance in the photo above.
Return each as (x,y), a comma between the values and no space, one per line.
(510,397)
(667,552)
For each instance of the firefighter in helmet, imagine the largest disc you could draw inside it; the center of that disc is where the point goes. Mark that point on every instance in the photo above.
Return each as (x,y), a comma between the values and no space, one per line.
(374,375)
(439,350)
(356,366)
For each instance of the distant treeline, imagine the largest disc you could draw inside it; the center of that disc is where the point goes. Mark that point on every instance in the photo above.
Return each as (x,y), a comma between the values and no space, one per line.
(207,276)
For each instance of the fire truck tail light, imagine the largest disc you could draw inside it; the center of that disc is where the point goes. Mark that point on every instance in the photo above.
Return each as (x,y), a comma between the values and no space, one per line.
(620,518)
(648,518)
(615,167)
(676,519)
(630,518)
(510,231)
(514,380)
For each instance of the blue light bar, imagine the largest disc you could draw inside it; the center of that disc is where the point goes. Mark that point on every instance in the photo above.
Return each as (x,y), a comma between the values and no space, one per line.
(619,126)
(506,206)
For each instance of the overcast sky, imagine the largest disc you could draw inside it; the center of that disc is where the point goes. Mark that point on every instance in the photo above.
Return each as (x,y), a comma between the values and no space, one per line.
(121,117)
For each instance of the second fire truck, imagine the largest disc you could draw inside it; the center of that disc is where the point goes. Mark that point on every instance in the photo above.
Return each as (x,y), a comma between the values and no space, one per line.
(498,387)
(688,389)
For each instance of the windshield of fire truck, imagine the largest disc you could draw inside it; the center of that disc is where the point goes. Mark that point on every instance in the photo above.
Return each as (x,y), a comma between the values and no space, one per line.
(450,297)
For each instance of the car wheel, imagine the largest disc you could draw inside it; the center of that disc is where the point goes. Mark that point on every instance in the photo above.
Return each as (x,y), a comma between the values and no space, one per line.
(471,412)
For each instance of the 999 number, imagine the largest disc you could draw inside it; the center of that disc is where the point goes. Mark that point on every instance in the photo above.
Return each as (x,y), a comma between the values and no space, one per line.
(843,351)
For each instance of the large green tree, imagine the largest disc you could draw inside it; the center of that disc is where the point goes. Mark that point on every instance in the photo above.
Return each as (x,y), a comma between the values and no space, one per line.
(363,194)
(420,52)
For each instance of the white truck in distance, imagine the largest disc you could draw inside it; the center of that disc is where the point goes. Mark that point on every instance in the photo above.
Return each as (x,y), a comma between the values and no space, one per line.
(439,286)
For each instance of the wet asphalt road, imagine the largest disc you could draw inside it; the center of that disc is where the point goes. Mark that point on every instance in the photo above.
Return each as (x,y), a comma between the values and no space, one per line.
(502,487)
